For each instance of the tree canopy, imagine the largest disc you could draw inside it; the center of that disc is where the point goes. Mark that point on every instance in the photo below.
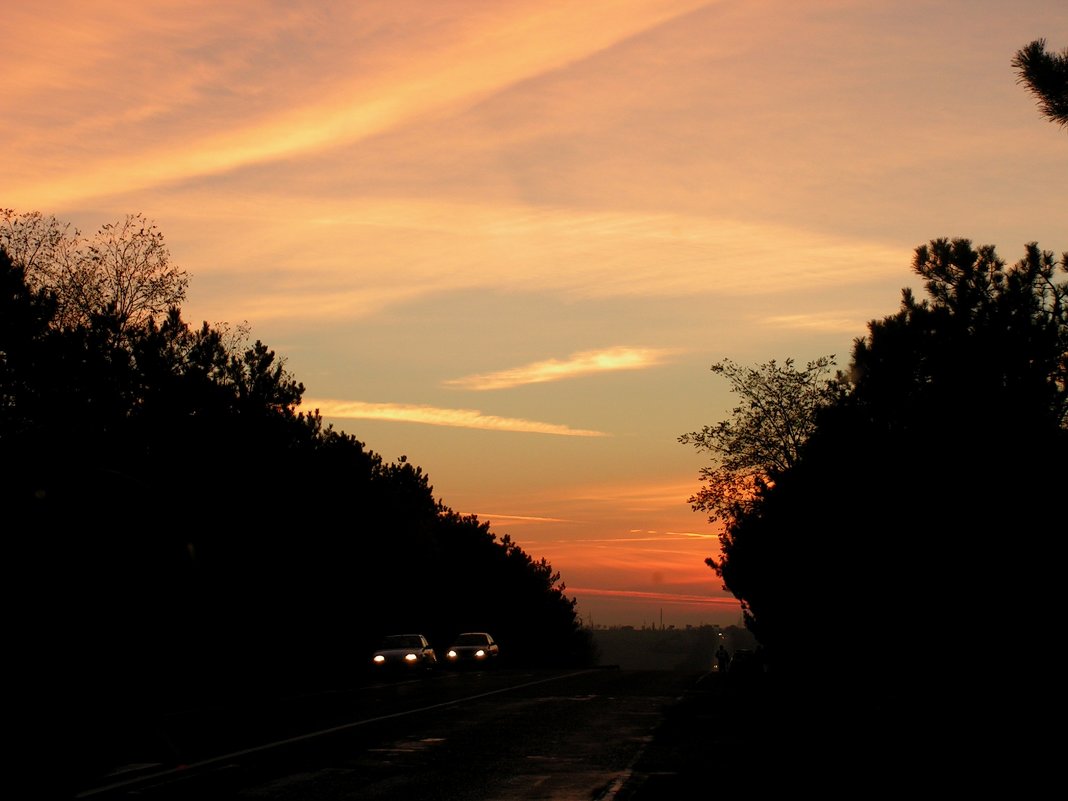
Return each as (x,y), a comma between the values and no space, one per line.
(762,438)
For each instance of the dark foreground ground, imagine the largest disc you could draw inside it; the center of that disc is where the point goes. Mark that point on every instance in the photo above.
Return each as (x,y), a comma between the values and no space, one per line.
(754,736)
(736,736)
(714,739)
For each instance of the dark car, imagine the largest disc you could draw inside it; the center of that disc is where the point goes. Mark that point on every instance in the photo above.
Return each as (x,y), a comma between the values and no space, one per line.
(404,652)
(472,648)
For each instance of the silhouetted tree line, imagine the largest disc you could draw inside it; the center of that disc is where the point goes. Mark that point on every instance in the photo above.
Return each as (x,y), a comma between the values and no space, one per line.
(920,522)
(178,533)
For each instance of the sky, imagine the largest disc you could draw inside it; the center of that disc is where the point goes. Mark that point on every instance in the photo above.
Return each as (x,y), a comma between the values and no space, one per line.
(507,239)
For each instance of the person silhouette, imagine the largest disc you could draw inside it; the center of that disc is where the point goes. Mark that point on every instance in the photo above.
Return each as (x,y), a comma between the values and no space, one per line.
(723,659)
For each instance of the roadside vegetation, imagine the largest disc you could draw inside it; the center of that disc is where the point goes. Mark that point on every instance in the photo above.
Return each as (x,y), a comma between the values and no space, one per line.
(915,489)
(180,532)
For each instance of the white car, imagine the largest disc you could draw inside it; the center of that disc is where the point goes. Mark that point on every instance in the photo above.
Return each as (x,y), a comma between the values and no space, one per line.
(472,648)
(404,652)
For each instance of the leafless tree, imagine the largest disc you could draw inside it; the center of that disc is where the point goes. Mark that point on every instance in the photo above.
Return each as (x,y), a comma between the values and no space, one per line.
(124,270)
(763,435)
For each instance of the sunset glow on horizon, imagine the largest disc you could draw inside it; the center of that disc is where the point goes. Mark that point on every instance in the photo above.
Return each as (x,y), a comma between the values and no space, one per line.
(508,240)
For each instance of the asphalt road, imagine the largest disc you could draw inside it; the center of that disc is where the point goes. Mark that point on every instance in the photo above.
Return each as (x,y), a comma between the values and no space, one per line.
(597,735)
(497,735)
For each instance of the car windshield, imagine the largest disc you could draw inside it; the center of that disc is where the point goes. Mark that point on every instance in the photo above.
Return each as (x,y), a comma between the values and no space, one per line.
(402,641)
(472,639)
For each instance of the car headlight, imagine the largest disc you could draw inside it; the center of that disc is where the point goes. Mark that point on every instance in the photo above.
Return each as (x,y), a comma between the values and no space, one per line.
(451,654)
(379,659)
(480,653)
(410,657)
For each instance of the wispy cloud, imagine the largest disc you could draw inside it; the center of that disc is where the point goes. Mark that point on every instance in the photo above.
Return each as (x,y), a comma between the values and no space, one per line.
(660,597)
(634,495)
(517,519)
(481,55)
(411,249)
(831,322)
(436,416)
(694,535)
(579,364)
(649,536)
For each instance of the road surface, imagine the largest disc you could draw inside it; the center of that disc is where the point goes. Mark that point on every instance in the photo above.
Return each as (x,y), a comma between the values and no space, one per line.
(500,735)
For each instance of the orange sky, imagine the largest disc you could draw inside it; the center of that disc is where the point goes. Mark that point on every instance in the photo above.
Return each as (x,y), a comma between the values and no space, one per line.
(508,239)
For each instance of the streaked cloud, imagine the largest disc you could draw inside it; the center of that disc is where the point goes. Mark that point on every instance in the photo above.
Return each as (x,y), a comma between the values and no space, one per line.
(516,519)
(635,495)
(583,363)
(695,535)
(829,322)
(436,416)
(652,536)
(481,54)
(659,597)
(416,248)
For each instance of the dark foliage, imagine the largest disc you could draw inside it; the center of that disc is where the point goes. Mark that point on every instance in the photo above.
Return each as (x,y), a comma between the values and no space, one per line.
(762,439)
(179,534)
(922,520)
(1046,77)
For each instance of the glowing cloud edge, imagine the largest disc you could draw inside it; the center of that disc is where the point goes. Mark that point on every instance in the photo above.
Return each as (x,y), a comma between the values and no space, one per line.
(578,364)
(436,416)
